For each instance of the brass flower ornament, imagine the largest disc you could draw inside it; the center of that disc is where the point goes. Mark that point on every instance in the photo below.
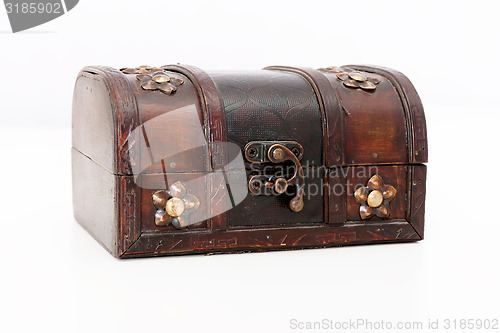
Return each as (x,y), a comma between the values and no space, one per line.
(374,198)
(353,79)
(174,206)
(144,69)
(154,78)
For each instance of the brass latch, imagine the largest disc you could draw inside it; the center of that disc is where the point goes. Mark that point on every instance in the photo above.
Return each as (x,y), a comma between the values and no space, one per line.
(277,152)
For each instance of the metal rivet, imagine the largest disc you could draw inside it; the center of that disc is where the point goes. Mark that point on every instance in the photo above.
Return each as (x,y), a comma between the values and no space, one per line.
(256,184)
(252,152)
(375,199)
(175,207)
(278,154)
(296,151)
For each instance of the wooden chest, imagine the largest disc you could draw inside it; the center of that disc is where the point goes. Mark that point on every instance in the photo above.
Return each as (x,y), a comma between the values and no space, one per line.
(176,160)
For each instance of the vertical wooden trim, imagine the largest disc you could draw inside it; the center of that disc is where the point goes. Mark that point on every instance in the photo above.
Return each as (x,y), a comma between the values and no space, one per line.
(331,112)
(337,187)
(332,120)
(417,199)
(129,201)
(214,123)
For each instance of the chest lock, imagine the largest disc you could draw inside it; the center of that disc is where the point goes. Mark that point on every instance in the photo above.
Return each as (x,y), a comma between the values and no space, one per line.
(269,161)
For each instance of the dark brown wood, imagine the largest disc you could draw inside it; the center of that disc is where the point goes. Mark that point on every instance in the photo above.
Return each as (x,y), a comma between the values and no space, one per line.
(133,137)
(197,181)
(213,110)
(395,175)
(417,128)
(333,130)
(335,186)
(177,118)
(214,124)
(271,105)
(375,124)
(153,244)
(331,112)
(417,198)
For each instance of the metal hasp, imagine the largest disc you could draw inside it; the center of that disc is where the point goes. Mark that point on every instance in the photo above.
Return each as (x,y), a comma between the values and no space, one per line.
(277,152)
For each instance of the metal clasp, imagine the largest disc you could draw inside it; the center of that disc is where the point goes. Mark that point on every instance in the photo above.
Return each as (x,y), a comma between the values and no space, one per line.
(277,152)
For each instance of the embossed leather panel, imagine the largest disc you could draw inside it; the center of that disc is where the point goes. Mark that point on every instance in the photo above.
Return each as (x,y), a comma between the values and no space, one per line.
(271,105)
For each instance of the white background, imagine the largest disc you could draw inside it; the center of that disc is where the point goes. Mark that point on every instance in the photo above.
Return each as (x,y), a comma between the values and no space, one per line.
(55,278)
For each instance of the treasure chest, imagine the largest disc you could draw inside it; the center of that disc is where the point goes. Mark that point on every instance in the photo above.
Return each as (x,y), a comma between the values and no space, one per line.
(176,160)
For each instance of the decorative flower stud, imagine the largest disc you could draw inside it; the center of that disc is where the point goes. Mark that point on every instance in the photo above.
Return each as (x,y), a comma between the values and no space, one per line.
(141,70)
(374,198)
(153,78)
(174,206)
(331,69)
(353,79)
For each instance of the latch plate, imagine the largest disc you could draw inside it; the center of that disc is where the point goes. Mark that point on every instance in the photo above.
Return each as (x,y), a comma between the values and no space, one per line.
(256,151)
(277,152)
